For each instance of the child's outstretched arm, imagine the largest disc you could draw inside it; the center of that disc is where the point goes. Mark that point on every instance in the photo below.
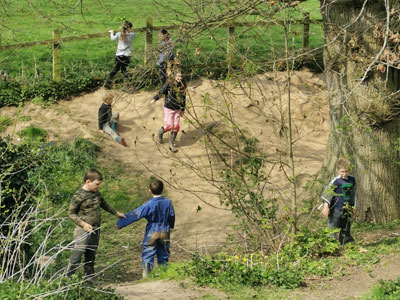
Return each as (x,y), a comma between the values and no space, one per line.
(162,91)
(114,36)
(132,216)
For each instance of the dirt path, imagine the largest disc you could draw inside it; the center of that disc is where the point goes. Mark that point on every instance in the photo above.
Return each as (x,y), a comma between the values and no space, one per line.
(355,283)
(165,290)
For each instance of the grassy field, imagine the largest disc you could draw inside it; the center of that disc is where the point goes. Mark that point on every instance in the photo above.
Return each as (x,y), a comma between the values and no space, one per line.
(24,21)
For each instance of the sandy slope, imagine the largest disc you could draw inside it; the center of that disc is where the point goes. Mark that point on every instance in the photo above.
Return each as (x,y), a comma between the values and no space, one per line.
(140,120)
(256,106)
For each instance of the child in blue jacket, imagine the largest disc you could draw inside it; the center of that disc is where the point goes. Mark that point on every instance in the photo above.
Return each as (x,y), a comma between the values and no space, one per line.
(339,201)
(160,217)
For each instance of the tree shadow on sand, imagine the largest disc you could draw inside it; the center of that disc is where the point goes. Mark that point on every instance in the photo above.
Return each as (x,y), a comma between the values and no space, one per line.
(190,137)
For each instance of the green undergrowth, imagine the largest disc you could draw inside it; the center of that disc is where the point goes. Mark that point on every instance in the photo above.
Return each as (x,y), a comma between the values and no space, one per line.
(54,172)
(13,93)
(5,121)
(385,290)
(370,226)
(310,254)
(306,255)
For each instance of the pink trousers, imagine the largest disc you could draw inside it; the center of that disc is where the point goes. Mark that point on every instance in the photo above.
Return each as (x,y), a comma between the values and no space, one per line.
(171,119)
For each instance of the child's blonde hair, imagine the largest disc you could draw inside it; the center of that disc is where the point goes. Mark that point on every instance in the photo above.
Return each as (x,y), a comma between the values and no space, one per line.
(343,163)
(108,98)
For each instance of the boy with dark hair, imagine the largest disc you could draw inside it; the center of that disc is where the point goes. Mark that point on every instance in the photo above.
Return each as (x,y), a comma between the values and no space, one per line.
(166,56)
(84,210)
(160,216)
(339,201)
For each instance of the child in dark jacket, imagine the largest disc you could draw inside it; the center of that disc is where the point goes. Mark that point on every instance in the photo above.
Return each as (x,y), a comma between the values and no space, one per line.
(339,201)
(108,121)
(174,91)
(160,216)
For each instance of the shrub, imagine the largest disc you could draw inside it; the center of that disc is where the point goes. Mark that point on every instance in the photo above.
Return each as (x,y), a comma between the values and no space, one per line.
(31,174)
(10,93)
(14,93)
(33,133)
(386,290)
(311,244)
(232,271)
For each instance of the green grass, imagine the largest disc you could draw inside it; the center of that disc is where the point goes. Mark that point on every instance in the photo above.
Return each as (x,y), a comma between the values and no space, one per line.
(5,121)
(385,290)
(30,23)
(33,133)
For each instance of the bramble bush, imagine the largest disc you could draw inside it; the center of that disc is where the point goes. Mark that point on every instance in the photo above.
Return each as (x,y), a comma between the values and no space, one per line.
(225,271)
(299,258)
(35,174)
(386,290)
(13,93)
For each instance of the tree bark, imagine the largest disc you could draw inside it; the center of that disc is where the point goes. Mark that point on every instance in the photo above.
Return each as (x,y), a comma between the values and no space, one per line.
(364,104)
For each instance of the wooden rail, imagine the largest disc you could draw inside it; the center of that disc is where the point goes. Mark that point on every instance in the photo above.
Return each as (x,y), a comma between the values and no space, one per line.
(57,40)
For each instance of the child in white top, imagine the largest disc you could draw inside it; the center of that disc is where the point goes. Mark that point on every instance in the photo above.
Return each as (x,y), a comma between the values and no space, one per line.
(124,49)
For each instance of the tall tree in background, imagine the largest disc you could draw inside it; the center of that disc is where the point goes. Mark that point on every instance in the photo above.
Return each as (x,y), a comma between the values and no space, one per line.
(362,60)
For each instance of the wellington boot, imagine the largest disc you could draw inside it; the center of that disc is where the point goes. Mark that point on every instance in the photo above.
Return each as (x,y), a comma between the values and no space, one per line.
(160,135)
(172,142)
(146,270)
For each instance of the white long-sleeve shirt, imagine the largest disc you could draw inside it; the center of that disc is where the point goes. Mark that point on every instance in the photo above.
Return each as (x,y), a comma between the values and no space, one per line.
(124,48)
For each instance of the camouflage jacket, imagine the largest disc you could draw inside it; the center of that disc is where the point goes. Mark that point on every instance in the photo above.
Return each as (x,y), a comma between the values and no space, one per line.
(85,206)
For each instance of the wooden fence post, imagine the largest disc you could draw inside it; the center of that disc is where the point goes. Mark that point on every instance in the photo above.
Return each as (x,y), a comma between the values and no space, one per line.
(149,40)
(57,55)
(230,47)
(306,31)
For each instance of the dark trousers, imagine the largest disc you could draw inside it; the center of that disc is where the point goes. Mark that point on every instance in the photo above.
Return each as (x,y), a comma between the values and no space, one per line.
(121,63)
(162,72)
(85,244)
(341,218)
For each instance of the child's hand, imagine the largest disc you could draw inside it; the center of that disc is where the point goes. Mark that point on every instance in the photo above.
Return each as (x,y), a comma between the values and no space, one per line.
(101,130)
(153,101)
(120,215)
(325,210)
(87,227)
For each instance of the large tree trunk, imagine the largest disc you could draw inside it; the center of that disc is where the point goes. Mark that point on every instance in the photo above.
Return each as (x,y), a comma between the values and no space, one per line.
(364,105)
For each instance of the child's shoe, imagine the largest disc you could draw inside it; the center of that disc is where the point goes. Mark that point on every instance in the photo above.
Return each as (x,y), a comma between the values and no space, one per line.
(123,142)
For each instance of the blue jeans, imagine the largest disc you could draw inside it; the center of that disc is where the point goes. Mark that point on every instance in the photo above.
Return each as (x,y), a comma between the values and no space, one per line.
(341,218)
(155,244)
